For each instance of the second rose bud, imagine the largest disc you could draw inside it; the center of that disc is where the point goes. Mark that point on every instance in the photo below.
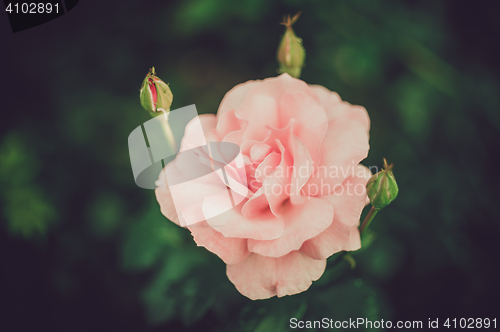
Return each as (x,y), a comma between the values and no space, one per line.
(291,54)
(155,94)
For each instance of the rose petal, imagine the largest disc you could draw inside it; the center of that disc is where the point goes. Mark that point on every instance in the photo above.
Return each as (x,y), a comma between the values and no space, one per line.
(275,183)
(303,222)
(193,136)
(236,96)
(276,87)
(230,250)
(329,242)
(185,196)
(302,168)
(260,151)
(236,136)
(167,207)
(348,202)
(268,165)
(257,204)
(259,111)
(354,242)
(311,122)
(335,107)
(344,146)
(364,173)
(227,123)
(259,277)
(326,97)
(231,222)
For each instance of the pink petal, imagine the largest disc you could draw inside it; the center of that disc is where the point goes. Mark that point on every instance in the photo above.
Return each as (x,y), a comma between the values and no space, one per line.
(193,136)
(231,172)
(354,242)
(260,151)
(348,202)
(227,123)
(273,135)
(259,111)
(327,98)
(268,165)
(329,242)
(236,136)
(335,107)
(232,223)
(236,96)
(164,195)
(276,183)
(276,87)
(311,122)
(230,250)
(256,205)
(167,207)
(288,180)
(302,168)
(259,277)
(344,146)
(183,197)
(303,222)
(364,173)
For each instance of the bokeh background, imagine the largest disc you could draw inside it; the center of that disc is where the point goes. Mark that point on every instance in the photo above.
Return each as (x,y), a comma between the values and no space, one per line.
(84,249)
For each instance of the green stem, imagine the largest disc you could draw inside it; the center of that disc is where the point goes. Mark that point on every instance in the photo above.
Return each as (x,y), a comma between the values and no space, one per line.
(167,130)
(368,219)
(170,135)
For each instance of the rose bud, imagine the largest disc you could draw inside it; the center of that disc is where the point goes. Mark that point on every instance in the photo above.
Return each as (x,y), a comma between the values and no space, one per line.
(155,94)
(291,53)
(382,188)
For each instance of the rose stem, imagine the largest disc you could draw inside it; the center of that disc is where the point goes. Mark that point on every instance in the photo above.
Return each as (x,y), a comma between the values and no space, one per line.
(168,132)
(368,219)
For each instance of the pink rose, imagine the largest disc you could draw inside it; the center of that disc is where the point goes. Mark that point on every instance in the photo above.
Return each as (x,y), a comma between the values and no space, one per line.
(302,146)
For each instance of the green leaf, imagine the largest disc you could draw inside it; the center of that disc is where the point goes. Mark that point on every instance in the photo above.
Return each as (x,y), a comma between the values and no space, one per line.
(148,238)
(105,214)
(273,314)
(17,165)
(383,259)
(27,212)
(168,289)
(352,298)
(198,297)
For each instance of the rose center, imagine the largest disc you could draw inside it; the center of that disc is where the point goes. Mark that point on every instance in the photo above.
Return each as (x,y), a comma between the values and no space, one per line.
(258,153)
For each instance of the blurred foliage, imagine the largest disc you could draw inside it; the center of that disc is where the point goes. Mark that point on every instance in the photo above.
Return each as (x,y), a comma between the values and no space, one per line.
(84,249)
(25,209)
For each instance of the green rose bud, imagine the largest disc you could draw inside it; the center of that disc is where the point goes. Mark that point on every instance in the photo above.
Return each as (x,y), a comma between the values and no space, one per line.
(291,53)
(382,188)
(155,94)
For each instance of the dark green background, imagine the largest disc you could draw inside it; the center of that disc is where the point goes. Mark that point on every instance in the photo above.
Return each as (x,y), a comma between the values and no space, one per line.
(83,249)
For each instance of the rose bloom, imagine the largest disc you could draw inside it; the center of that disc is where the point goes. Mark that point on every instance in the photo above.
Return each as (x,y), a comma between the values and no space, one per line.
(302,146)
